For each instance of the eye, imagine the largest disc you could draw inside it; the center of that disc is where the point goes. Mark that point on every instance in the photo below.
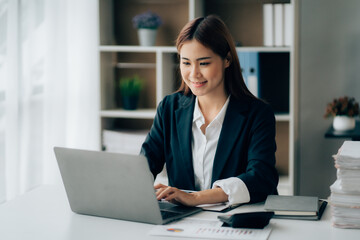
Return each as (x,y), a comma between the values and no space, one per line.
(204,63)
(186,63)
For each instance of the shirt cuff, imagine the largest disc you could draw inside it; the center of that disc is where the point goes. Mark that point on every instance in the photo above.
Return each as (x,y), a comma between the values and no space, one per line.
(235,188)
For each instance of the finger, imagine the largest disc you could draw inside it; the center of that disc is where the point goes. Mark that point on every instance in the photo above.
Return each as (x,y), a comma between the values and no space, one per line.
(180,197)
(159,188)
(165,193)
(159,185)
(174,195)
(174,201)
(160,191)
(170,197)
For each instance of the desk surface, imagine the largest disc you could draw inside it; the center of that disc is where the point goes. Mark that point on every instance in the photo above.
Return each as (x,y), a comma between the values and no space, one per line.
(44,213)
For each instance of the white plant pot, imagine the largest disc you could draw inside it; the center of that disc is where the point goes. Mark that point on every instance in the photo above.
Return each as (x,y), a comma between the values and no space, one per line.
(343,123)
(147,37)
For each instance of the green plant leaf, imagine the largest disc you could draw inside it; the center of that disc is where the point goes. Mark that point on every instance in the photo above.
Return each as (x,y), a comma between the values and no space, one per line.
(131,86)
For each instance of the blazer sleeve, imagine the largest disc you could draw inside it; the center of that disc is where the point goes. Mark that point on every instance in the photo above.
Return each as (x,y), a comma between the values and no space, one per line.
(152,148)
(261,177)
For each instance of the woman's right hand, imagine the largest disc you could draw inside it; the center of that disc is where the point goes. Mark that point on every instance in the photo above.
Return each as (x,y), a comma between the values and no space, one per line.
(175,195)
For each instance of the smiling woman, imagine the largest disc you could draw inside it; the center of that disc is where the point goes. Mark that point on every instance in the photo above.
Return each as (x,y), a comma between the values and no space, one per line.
(202,70)
(215,137)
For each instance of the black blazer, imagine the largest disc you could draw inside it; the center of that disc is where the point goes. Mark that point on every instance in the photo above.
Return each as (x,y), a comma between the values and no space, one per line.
(246,146)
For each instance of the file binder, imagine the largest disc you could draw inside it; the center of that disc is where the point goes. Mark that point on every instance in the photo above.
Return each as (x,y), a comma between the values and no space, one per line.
(278,25)
(288,24)
(253,77)
(243,64)
(268,24)
(274,75)
(249,62)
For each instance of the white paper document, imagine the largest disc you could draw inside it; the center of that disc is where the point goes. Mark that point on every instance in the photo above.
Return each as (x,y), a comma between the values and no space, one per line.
(218,207)
(209,229)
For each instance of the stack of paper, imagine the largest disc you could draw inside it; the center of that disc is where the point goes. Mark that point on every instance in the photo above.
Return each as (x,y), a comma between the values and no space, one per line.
(345,192)
(124,141)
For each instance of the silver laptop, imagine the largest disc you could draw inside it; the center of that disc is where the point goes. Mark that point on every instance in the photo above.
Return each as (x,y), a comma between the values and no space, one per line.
(114,185)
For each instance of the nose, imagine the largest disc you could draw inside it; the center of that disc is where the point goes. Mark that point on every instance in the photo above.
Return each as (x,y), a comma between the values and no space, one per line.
(194,71)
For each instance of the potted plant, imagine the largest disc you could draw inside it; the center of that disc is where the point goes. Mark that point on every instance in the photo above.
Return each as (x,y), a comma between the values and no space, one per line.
(147,24)
(130,88)
(343,109)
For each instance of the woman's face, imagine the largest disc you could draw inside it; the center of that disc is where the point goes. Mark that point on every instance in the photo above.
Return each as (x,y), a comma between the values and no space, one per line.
(202,69)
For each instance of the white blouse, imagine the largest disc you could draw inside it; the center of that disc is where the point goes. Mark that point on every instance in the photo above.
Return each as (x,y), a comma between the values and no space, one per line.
(203,151)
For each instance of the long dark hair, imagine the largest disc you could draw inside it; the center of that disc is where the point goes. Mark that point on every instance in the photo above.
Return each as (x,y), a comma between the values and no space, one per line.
(212,32)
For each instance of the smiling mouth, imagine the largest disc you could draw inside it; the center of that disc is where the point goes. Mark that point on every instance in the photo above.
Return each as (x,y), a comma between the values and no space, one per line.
(198,84)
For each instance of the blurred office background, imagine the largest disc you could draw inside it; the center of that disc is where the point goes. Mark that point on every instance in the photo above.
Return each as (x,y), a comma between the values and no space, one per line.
(49,90)
(48,94)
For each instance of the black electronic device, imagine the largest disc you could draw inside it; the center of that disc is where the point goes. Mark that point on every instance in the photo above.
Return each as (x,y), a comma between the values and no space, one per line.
(247,220)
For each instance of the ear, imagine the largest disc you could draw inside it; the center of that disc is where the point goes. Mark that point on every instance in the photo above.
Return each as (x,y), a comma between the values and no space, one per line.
(228,60)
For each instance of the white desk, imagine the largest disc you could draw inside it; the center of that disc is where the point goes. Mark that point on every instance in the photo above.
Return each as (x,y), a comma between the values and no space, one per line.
(44,213)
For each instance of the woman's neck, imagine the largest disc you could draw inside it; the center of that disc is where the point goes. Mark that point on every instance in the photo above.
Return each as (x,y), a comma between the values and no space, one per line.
(210,106)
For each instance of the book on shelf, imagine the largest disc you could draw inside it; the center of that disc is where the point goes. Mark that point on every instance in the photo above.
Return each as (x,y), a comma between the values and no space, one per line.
(278,24)
(295,207)
(288,24)
(268,25)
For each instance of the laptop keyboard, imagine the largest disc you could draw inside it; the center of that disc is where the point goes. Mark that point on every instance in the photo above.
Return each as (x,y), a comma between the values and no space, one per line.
(165,205)
(169,210)
(168,214)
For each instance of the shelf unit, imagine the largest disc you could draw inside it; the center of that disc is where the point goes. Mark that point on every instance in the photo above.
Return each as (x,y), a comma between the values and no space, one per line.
(120,55)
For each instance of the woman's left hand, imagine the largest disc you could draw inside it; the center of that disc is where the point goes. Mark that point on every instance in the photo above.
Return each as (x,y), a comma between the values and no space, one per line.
(175,195)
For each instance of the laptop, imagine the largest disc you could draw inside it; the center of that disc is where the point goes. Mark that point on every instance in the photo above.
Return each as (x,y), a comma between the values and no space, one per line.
(114,185)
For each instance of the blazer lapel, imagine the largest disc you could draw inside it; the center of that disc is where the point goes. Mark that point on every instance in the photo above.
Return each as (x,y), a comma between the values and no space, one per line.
(184,116)
(232,125)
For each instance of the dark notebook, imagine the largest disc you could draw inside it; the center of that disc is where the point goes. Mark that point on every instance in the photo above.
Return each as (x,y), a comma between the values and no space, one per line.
(295,207)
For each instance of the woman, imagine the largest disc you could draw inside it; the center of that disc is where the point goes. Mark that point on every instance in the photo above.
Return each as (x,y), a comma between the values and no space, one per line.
(215,137)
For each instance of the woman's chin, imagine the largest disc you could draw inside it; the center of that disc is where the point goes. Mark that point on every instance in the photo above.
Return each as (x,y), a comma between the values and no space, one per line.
(198,92)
